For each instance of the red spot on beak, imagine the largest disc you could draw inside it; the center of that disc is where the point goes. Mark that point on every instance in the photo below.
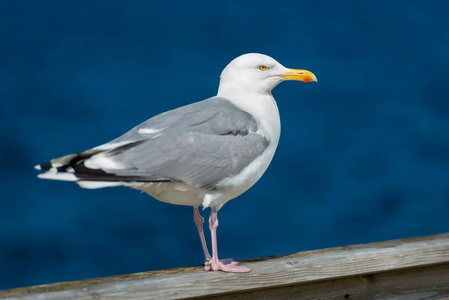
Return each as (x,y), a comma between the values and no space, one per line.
(306,79)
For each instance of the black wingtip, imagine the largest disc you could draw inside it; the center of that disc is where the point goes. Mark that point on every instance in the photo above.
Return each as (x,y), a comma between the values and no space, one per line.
(46,166)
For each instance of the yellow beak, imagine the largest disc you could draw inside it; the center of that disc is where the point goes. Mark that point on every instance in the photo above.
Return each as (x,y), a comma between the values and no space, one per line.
(301,75)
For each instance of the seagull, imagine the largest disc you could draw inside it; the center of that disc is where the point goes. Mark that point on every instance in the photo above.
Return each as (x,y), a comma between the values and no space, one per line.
(202,154)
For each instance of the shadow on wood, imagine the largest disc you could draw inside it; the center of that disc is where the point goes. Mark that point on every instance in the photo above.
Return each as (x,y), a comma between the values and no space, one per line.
(416,268)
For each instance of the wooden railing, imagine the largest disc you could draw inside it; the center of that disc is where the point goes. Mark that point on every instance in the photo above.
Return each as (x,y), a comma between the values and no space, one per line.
(416,268)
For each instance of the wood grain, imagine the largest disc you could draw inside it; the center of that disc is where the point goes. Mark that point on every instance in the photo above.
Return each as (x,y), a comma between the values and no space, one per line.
(416,268)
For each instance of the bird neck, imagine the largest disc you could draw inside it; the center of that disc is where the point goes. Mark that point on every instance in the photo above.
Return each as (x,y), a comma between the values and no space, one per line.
(243,87)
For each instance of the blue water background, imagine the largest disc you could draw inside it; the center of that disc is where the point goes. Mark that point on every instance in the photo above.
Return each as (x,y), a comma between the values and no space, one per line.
(363,156)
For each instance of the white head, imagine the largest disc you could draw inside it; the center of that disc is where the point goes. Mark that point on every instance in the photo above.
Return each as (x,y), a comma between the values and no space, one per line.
(257,73)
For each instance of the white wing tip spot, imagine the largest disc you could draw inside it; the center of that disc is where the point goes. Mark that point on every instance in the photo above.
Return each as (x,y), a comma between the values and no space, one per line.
(150,130)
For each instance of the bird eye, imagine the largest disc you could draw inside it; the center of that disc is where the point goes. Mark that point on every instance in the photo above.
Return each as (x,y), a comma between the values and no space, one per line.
(263,68)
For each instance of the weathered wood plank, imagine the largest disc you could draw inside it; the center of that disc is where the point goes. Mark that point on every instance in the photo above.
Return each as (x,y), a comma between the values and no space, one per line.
(362,269)
(423,283)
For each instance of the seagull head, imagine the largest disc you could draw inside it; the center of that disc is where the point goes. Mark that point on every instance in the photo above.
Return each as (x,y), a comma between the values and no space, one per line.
(257,73)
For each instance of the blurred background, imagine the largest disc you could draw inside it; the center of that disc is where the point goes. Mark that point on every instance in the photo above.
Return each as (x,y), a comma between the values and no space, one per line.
(363,155)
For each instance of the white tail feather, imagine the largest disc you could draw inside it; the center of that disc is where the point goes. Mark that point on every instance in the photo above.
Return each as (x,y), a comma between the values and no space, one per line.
(55,175)
(98,184)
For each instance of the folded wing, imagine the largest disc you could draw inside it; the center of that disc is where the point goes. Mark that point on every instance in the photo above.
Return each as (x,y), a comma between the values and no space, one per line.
(199,144)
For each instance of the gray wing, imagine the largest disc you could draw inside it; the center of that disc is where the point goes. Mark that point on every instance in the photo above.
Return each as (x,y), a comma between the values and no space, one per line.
(200,144)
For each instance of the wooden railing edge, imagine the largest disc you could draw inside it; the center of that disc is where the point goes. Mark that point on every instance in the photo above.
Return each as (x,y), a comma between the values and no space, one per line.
(268,273)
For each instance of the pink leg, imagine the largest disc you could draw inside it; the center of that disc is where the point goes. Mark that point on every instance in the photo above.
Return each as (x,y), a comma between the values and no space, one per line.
(199,221)
(214,264)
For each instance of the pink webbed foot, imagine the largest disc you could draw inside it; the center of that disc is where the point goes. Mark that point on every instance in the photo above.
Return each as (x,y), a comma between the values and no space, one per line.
(227,265)
(227,261)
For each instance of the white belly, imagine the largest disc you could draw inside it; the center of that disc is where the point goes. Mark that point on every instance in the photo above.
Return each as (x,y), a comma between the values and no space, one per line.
(171,192)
